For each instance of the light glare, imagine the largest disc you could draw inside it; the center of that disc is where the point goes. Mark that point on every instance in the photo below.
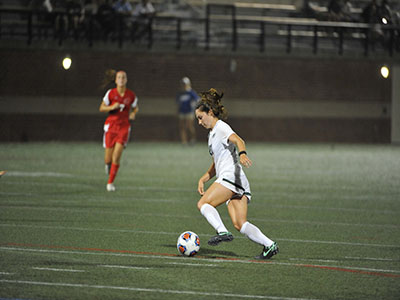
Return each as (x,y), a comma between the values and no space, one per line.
(67,63)
(385,72)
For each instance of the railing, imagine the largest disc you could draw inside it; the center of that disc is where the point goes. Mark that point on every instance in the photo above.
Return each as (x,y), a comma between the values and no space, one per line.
(229,27)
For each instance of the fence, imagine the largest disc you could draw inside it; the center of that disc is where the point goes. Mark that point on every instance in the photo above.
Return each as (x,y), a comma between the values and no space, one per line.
(213,31)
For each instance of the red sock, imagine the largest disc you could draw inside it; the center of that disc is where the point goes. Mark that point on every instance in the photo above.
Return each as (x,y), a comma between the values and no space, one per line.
(113,173)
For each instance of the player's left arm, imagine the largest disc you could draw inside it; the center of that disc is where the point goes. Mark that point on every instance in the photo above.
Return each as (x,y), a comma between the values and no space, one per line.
(241,148)
(135,109)
(133,113)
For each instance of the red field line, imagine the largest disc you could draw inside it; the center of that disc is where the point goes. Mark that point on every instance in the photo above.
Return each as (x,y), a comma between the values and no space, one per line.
(218,258)
(88,249)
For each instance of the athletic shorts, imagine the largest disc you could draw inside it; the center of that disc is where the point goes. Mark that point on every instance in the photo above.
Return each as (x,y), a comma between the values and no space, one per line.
(240,186)
(115,134)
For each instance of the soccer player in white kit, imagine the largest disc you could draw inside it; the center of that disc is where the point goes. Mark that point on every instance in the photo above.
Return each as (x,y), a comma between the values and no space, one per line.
(231,186)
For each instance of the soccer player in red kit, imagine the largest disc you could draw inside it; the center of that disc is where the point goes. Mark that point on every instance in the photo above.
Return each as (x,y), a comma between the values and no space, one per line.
(121,104)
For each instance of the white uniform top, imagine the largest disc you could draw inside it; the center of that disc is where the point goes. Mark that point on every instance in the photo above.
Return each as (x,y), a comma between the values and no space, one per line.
(228,170)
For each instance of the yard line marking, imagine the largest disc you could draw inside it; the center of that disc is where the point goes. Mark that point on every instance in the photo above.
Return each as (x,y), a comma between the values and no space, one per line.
(371,258)
(57,270)
(6,273)
(113,252)
(312,259)
(188,264)
(148,290)
(125,267)
(356,270)
(326,223)
(389,212)
(37,174)
(337,243)
(268,220)
(201,234)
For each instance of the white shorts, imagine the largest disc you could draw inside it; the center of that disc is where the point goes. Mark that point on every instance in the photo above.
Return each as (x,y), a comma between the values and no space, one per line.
(239,185)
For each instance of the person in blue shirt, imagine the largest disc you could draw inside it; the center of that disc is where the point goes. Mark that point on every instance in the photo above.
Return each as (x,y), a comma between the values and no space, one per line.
(187,99)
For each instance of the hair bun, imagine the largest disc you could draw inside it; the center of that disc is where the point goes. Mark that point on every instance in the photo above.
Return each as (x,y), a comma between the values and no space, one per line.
(213,92)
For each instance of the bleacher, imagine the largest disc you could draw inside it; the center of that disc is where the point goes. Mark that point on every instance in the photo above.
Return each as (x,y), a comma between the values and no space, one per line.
(250,25)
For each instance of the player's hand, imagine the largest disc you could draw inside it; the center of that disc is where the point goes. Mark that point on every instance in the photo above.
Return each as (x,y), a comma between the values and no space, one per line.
(200,187)
(245,160)
(114,106)
(132,116)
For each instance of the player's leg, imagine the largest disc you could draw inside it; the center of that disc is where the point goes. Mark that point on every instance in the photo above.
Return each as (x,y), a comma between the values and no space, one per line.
(108,144)
(108,152)
(215,195)
(121,141)
(115,162)
(237,209)
(182,130)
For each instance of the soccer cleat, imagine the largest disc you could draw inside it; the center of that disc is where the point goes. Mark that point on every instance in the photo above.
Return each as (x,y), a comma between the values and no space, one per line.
(220,237)
(268,252)
(110,187)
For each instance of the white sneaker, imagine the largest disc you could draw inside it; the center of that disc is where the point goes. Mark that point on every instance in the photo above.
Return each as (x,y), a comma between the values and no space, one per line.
(110,187)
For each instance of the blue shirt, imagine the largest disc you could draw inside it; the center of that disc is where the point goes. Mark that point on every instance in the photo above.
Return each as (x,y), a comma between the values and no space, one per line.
(122,7)
(187,101)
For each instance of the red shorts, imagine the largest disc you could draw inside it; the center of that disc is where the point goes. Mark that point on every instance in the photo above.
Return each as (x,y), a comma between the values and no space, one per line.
(114,133)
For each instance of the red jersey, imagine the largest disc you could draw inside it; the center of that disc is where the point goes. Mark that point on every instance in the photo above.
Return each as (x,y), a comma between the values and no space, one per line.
(120,116)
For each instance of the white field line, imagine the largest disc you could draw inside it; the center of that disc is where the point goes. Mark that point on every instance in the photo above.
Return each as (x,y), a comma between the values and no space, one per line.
(311,259)
(269,195)
(359,269)
(337,243)
(37,174)
(199,259)
(308,207)
(125,267)
(201,234)
(325,223)
(6,273)
(148,290)
(32,204)
(199,216)
(195,265)
(372,258)
(58,270)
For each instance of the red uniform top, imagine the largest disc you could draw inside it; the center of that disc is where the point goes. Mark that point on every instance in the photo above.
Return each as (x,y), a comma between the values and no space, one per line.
(120,116)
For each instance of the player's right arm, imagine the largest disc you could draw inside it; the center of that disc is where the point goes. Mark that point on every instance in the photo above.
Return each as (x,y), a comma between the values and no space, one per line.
(106,105)
(107,108)
(206,177)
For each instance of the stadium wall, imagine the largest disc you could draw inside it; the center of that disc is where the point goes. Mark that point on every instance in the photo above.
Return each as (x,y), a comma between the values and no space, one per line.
(275,99)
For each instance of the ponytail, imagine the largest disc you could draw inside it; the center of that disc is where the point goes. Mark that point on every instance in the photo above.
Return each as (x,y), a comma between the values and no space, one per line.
(109,78)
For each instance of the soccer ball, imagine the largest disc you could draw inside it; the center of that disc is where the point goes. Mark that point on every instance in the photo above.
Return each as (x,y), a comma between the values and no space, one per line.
(188,243)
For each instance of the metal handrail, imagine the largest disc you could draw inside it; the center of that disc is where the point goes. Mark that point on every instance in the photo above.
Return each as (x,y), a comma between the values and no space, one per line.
(262,22)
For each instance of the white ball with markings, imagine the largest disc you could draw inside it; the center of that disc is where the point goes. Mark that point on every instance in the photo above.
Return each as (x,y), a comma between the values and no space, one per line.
(188,243)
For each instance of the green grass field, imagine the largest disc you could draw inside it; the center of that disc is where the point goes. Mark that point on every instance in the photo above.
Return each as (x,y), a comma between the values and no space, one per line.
(333,209)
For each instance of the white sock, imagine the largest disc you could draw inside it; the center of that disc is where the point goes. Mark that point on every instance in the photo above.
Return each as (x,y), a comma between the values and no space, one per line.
(212,216)
(255,234)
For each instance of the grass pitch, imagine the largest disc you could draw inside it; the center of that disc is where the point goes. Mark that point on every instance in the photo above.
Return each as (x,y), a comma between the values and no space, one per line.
(333,209)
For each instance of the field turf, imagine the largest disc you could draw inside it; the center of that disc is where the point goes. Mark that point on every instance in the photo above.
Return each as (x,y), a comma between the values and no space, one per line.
(333,209)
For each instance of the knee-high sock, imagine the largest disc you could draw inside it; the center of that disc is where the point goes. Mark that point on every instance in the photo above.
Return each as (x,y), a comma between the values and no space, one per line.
(213,217)
(113,173)
(255,234)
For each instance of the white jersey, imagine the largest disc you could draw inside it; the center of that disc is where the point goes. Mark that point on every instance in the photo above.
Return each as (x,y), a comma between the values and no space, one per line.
(228,170)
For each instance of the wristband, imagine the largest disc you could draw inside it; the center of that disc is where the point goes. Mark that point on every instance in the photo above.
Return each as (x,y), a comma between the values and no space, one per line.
(242,152)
